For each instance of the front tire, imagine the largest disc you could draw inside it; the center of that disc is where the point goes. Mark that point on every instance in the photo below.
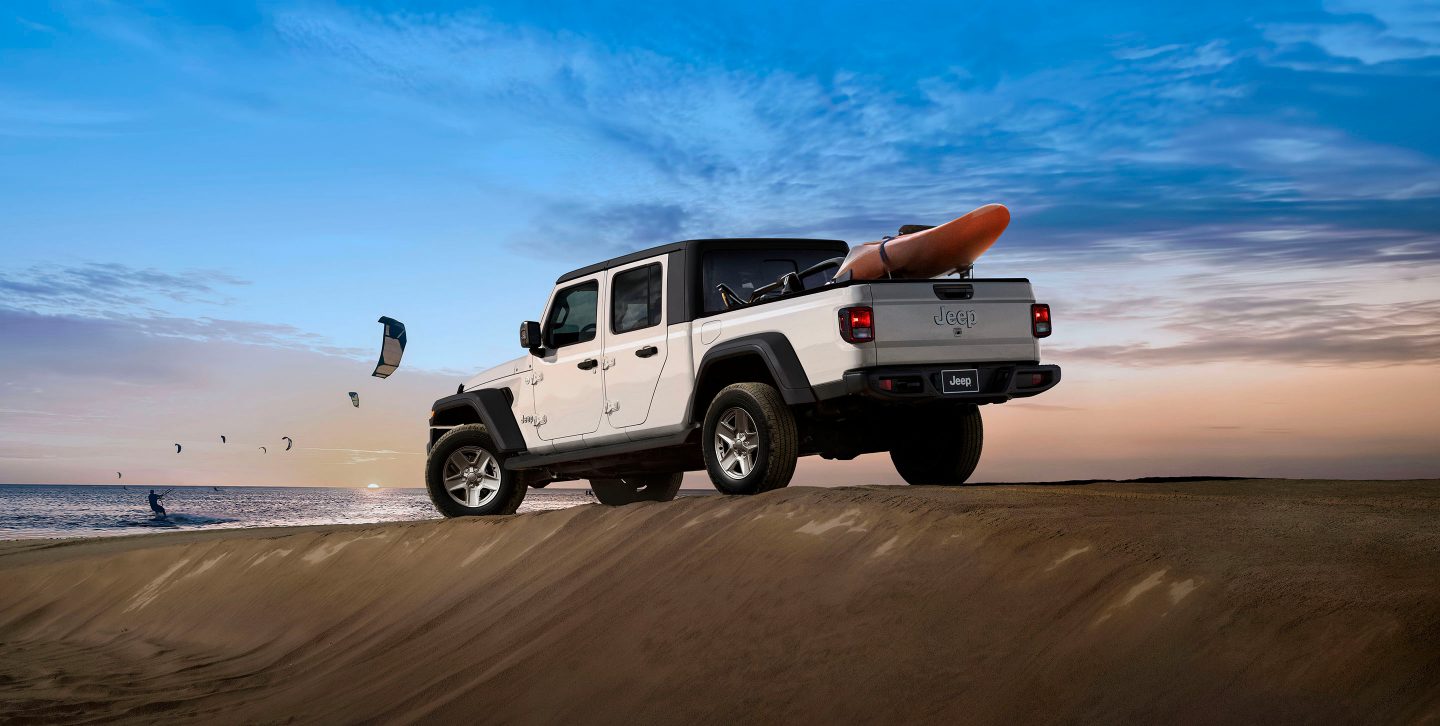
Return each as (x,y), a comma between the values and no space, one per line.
(749,440)
(466,477)
(642,488)
(943,450)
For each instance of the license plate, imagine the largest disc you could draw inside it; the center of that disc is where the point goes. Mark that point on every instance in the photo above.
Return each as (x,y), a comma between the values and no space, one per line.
(962,381)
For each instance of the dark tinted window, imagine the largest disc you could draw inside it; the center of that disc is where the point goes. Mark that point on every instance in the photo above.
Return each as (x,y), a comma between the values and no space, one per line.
(572,317)
(635,299)
(746,270)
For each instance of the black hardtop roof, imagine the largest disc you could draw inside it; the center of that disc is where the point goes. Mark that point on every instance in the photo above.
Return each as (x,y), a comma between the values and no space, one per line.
(742,242)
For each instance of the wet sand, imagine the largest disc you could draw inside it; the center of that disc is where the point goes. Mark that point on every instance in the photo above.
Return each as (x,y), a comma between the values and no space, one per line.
(1201,601)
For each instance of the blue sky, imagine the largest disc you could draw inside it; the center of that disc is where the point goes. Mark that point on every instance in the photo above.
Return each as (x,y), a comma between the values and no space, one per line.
(276,176)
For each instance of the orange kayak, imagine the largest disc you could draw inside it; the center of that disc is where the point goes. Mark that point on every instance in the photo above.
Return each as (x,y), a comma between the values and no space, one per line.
(929,252)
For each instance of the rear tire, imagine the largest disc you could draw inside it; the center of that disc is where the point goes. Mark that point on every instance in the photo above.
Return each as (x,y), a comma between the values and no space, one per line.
(943,450)
(641,488)
(466,476)
(762,442)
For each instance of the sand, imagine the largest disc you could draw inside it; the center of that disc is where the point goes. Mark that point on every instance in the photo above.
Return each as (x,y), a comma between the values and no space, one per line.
(1188,602)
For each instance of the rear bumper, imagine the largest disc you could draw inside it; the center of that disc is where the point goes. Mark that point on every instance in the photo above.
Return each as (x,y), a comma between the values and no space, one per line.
(994,382)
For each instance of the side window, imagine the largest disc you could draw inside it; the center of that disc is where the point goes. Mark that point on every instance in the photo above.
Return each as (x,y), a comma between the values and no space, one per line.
(745,270)
(572,317)
(635,299)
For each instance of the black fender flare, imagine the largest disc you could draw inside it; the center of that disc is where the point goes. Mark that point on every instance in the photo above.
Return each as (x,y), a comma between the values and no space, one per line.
(777,353)
(492,407)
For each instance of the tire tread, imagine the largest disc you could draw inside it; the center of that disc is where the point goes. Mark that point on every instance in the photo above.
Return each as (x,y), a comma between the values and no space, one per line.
(783,437)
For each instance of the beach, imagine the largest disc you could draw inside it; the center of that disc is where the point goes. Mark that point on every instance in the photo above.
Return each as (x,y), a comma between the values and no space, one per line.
(1179,601)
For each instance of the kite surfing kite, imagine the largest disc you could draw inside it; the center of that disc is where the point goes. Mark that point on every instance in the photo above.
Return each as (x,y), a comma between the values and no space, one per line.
(289,442)
(222,438)
(177,448)
(392,346)
(355,399)
(118,475)
(263,451)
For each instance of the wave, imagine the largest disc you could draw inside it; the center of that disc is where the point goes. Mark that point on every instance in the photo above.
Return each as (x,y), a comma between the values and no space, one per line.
(174,520)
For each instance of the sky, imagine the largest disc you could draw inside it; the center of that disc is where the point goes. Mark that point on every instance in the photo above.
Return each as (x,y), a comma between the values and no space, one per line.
(1233,209)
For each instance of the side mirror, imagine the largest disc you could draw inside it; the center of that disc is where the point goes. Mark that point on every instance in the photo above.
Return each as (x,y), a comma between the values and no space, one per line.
(530,335)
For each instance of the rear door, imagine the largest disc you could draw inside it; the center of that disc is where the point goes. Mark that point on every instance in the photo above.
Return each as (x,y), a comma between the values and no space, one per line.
(950,321)
(635,347)
(569,392)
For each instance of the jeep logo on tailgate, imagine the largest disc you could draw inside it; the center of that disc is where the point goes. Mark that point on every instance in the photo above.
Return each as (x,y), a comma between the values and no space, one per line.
(957,318)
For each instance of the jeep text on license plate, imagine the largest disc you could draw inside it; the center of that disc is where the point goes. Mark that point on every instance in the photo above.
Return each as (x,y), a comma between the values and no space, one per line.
(963,381)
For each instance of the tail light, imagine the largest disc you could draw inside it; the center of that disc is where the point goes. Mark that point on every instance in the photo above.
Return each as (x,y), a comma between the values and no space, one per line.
(1040,320)
(857,325)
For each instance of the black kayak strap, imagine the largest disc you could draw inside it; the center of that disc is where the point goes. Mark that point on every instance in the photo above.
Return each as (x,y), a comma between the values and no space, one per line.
(884,257)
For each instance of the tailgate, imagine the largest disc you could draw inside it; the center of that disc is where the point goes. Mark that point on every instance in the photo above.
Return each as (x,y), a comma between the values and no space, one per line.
(953,321)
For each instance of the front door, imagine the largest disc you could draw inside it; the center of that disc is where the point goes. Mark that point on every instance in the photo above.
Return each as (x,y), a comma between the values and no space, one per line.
(635,346)
(569,390)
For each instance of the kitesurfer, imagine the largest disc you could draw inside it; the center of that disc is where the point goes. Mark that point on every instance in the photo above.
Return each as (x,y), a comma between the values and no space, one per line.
(155,504)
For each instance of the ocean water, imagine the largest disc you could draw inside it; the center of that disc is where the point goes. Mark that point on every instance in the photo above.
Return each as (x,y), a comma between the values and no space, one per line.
(41,511)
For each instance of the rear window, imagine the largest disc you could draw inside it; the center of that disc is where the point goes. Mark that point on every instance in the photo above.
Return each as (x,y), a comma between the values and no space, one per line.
(635,299)
(746,270)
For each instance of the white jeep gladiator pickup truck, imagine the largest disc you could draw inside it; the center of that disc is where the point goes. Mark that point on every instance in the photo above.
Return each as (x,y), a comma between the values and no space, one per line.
(735,356)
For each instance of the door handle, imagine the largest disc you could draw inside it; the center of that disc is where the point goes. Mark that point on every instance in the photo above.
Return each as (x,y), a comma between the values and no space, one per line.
(646,352)
(587,364)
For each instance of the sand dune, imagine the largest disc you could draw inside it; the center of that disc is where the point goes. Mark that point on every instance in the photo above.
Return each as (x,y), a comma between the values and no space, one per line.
(1191,602)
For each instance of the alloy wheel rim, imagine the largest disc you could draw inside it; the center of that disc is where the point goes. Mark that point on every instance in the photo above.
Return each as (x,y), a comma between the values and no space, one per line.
(472,476)
(737,443)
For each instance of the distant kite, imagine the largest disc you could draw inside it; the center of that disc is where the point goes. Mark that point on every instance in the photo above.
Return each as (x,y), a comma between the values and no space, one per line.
(289,442)
(392,346)
(355,399)
(177,448)
(118,475)
(263,451)
(222,438)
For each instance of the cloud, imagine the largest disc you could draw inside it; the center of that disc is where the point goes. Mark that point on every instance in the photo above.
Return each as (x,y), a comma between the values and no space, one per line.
(275,335)
(1369,32)
(98,289)
(52,307)
(34,26)
(139,350)
(1121,139)
(1278,241)
(603,231)
(29,116)
(50,414)
(1211,327)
